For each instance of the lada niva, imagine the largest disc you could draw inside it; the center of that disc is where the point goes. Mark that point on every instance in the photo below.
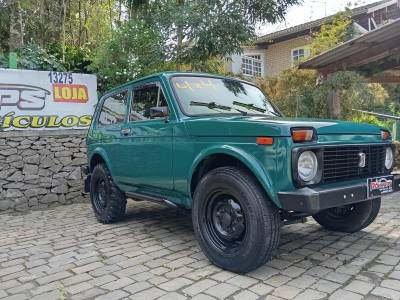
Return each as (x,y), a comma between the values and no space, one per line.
(218,147)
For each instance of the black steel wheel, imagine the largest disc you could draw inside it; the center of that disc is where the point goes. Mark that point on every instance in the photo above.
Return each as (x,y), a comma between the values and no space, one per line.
(100,196)
(108,202)
(225,222)
(349,218)
(236,224)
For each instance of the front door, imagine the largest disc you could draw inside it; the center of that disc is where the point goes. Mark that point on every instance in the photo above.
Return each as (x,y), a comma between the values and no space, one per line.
(147,143)
(107,132)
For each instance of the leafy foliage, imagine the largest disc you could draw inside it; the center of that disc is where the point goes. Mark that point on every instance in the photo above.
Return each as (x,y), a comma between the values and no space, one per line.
(76,59)
(4,26)
(129,38)
(355,93)
(293,91)
(297,93)
(87,21)
(134,50)
(393,100)
(3,61)
(361,118)
(333,33)
(203,30)
(34,57)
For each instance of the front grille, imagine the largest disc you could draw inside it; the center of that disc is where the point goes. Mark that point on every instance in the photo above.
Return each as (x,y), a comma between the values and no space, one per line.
(342,162)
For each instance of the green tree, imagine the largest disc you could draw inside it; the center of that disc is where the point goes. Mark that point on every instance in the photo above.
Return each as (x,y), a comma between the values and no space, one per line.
(293,92)
(393,100)
(34,57)
(85,21)
(333,33)
(134,50)
(181,34)
(355,93)
(203,30)
(297,93)
(16,36)
(129,38)
(4,26)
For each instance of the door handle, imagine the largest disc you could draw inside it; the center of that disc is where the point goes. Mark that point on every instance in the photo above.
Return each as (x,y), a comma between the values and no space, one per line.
(125,131)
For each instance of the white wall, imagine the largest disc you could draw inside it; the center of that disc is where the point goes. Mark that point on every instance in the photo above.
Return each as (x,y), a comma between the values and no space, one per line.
(236,63)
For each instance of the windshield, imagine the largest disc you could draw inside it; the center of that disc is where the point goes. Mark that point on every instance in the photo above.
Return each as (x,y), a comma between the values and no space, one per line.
(200,95)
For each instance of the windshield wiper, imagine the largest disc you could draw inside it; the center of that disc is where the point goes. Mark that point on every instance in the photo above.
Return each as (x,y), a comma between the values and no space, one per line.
(274,113)
(249,106)
(210,105)
(214,105)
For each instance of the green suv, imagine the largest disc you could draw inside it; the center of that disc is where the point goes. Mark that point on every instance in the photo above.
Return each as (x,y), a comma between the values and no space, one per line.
(219,147)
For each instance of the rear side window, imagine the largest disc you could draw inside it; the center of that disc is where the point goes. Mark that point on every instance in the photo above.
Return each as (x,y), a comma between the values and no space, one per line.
(143,99)
(113,109)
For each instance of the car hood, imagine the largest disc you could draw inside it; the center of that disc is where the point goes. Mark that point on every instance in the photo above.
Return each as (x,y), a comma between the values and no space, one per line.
(271,126)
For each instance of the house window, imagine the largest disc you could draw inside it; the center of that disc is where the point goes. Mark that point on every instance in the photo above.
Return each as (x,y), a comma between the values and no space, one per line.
(299,53)
(252,65)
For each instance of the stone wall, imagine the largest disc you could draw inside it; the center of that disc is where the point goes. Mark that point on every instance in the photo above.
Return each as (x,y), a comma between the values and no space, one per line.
(41,169)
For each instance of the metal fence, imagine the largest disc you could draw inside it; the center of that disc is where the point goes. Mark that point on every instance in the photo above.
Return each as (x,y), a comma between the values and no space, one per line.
(396,124)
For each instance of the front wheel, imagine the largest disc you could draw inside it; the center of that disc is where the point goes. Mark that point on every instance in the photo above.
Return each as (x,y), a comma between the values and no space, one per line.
(236,225)
(349,218)
(108,202)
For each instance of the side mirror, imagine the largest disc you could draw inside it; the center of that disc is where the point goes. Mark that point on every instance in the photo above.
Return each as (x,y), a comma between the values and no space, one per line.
(159,112)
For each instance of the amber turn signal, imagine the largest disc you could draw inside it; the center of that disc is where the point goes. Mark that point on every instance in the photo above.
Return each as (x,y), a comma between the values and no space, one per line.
(302,135)
(385,135)
(264,141)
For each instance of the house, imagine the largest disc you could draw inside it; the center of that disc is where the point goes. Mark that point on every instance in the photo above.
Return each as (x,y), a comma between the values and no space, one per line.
(277,51)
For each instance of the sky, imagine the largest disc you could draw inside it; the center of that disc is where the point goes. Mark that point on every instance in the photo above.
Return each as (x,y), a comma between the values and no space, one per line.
(311,10)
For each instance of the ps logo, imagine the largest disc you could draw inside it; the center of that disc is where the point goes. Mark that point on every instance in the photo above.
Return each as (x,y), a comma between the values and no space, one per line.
(363,160)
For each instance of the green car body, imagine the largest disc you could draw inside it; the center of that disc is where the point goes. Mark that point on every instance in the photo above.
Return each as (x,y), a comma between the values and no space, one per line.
(161,158)
(217,146)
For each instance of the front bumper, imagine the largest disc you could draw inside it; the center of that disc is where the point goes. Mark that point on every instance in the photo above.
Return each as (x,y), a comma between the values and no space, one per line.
(313,200)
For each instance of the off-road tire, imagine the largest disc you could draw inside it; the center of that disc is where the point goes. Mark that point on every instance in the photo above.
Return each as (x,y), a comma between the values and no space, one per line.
(114,204)
(361,216)
(262,226)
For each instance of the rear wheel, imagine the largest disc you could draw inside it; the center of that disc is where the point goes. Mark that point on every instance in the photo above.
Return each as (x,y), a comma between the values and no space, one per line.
(236,225)
(108,202)
(349,218)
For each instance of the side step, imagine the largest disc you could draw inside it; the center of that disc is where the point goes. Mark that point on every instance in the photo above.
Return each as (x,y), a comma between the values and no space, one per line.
(143,197)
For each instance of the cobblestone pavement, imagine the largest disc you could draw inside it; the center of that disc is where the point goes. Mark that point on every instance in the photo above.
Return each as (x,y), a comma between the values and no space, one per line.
(64,253)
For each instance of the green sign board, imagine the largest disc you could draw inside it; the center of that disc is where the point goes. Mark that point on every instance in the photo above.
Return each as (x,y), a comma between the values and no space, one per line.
(12,60)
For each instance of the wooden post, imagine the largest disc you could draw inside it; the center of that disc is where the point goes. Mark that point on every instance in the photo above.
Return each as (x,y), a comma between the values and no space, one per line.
(334,103)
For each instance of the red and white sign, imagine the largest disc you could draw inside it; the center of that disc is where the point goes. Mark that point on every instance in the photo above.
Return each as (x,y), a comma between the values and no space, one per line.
(40,100)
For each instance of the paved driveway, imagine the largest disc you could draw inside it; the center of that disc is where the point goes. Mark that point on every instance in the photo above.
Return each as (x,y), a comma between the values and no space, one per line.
(64,253)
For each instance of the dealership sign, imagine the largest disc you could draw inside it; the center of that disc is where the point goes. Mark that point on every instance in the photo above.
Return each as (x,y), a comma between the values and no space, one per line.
(46,100)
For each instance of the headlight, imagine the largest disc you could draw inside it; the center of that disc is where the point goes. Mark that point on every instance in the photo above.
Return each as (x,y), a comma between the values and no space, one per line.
(307,166)
(389,158)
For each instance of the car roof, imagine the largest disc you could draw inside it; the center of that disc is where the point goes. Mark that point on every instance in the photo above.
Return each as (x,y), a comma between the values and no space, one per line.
(169,74)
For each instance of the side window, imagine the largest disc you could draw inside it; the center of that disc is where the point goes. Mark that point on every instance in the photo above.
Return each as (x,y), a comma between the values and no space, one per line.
(113,109)
(145,98)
